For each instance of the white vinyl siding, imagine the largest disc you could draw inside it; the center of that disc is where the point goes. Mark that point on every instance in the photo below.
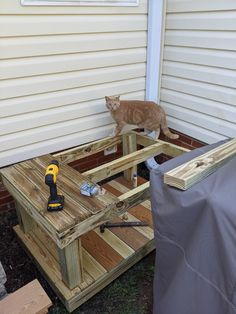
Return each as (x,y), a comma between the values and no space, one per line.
(81,2)
(56,66)
(198,86)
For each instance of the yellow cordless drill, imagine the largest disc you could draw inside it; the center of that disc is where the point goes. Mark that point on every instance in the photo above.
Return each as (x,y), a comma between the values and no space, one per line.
(55,201)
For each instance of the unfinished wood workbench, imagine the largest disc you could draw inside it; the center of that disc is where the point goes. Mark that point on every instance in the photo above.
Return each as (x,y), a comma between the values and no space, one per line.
(78,260)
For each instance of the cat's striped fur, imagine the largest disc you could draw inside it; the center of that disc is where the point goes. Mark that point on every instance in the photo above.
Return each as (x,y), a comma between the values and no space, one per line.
(144,114)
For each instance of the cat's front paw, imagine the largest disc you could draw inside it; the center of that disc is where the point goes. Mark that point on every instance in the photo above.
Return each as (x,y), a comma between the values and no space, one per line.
(112,134)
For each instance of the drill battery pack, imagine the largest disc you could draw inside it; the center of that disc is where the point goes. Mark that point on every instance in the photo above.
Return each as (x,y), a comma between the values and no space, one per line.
(55,204)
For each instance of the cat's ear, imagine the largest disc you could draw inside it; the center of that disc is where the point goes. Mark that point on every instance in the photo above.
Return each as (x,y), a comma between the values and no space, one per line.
(118,97)
(108,105)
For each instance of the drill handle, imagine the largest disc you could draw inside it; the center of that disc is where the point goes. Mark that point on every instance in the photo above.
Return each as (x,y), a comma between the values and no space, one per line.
(49,180)
(53,192)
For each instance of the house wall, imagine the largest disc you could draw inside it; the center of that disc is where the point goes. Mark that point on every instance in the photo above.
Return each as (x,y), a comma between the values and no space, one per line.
(56,66)
(198,71)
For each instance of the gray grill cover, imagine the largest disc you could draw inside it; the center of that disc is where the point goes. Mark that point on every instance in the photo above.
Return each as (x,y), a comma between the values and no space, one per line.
(195,234)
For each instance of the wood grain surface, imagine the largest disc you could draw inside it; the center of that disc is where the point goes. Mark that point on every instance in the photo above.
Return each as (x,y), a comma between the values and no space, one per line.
(195,170)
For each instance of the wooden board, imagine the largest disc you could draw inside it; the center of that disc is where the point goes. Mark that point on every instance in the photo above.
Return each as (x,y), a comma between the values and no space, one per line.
(105,255)
(195,170)
(168,148)
(83,151)
(129,145)
(123,163)
(30,299)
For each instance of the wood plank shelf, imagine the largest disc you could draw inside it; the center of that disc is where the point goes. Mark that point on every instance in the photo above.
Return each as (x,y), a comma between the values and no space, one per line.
(75,257)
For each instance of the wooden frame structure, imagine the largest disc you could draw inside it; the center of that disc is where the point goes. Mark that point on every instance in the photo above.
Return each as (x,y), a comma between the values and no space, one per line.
(77,260)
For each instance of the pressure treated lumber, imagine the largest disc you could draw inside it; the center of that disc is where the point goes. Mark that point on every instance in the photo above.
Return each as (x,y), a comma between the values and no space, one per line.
(129,146)
(136,196)
(89,149)
(111,168)
(169,149)
(25,181)
(78,260)
(31,299)
(25,220)
(68,183)
(105,256)
(188,174)
(71,264)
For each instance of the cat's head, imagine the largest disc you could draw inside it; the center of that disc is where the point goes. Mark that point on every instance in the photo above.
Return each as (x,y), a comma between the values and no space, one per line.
(112,102)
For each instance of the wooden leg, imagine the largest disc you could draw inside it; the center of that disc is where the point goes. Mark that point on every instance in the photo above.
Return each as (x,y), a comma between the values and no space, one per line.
(130,146)
(26,222)
(71,264)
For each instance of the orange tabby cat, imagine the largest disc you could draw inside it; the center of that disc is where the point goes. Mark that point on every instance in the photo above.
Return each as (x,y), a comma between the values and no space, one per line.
(144,114)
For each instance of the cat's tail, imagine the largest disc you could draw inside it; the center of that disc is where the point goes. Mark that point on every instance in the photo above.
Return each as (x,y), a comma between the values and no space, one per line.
(166,130)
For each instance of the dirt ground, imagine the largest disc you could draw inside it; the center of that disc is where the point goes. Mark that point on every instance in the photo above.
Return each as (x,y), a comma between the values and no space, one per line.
(131,293)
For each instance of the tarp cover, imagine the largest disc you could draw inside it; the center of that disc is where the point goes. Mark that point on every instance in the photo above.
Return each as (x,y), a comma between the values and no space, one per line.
(195,234)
